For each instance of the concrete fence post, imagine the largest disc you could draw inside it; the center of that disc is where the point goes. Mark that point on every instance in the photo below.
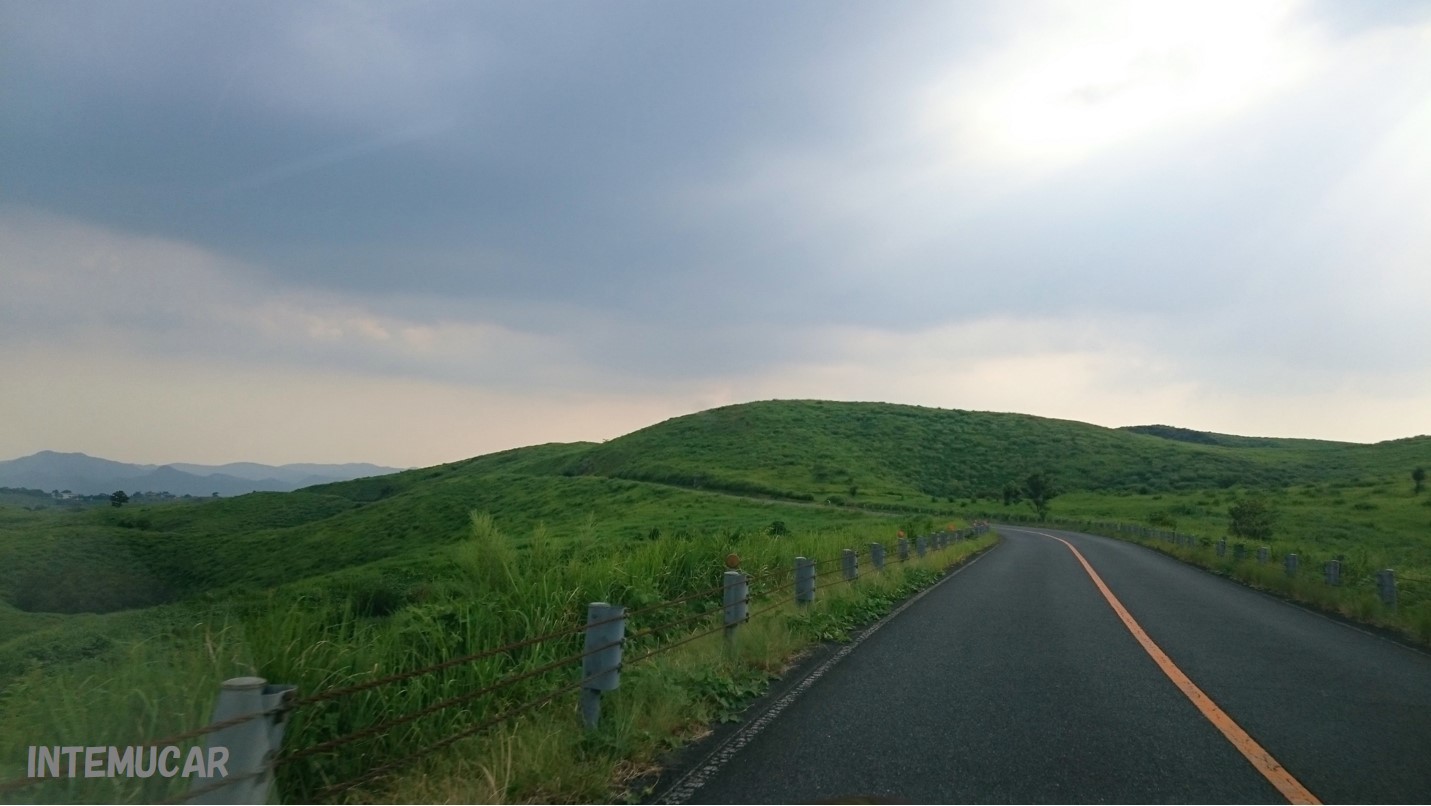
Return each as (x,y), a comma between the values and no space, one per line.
(851,565)
(877,556)
(601,666)
(1263,553)
(1291,563)
(804,581)
(1386,586)
(737,603)
(1239,551)
(904,549)
(1222,547)
(1332,570)
(921,545)
(247,747)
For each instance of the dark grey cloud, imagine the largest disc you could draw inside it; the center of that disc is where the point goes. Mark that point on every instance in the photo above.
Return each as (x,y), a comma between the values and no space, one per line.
(552,135)
(674,189)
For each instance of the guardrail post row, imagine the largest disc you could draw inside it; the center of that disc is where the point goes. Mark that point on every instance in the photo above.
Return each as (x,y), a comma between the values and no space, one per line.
(1386,586)
(1263,552)
(1291,563)
(1333,572)
(1222,547)
(804,581)
(248,747)
(737,603)
(877,556)
(921,545)
(850,564)
(601,666)
(904,549)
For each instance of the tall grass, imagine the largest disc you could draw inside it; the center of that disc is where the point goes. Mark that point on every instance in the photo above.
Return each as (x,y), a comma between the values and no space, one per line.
(493,593)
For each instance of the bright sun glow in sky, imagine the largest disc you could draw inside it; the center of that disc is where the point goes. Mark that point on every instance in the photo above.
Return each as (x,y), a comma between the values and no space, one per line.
(1090,79)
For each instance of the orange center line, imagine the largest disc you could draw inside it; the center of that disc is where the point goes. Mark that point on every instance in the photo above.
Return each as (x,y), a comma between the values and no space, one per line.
(1260,759)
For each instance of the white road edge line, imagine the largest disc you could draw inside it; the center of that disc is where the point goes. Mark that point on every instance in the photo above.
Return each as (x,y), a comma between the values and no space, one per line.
(687,784)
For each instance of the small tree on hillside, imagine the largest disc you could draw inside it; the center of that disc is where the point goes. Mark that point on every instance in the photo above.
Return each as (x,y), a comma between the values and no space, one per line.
(1039,490)
(118,499)
(1012,494)
(1251,518)
(1418,477)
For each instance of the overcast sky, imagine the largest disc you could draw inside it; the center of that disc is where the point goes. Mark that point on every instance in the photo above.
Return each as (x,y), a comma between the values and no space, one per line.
(413,233)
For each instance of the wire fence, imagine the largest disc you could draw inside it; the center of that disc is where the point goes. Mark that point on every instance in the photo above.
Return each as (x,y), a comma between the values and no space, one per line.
(250,714)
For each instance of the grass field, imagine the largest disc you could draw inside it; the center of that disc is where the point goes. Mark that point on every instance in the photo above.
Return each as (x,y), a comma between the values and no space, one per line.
(495,592)
(117,624)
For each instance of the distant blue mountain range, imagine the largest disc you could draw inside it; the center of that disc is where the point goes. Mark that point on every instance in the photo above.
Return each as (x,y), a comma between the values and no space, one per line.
(89,475)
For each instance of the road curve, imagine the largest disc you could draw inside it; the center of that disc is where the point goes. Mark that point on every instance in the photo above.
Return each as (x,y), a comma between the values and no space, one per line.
(1017,682)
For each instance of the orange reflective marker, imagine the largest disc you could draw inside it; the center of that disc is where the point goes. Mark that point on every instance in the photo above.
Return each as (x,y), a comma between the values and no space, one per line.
(732,561)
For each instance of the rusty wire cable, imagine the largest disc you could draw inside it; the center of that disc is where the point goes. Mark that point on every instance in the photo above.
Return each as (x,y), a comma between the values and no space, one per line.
(190,794)
(649,631)
(382,727)
(682,600)
(667,647)
(343,691)
(379,771)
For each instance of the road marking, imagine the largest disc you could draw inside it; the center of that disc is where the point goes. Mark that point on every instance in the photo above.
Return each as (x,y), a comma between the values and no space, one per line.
(684,788)
(1260,759)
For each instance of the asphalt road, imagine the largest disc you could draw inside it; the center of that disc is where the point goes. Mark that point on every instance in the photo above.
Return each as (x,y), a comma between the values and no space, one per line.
(1015,681)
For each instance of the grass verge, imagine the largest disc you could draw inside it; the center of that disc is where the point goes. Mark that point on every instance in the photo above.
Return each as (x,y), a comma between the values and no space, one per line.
(490,593)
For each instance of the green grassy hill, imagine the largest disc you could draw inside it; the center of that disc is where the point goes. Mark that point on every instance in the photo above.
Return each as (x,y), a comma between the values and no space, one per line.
(863,454)
(888,453)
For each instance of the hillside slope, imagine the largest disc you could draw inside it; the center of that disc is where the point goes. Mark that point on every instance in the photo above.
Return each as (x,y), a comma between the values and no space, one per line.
(820,449)
(869,454)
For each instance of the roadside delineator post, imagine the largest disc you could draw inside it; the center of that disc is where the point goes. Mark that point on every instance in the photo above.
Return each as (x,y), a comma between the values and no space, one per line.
(804,581)
(1263,552)
(1386,586)
(1332,570)
(737,604)
(877,556)
(249,746)
(850,564)
(601,665)
(1222,547)
(921,545)
(904,549)
(1291,563)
